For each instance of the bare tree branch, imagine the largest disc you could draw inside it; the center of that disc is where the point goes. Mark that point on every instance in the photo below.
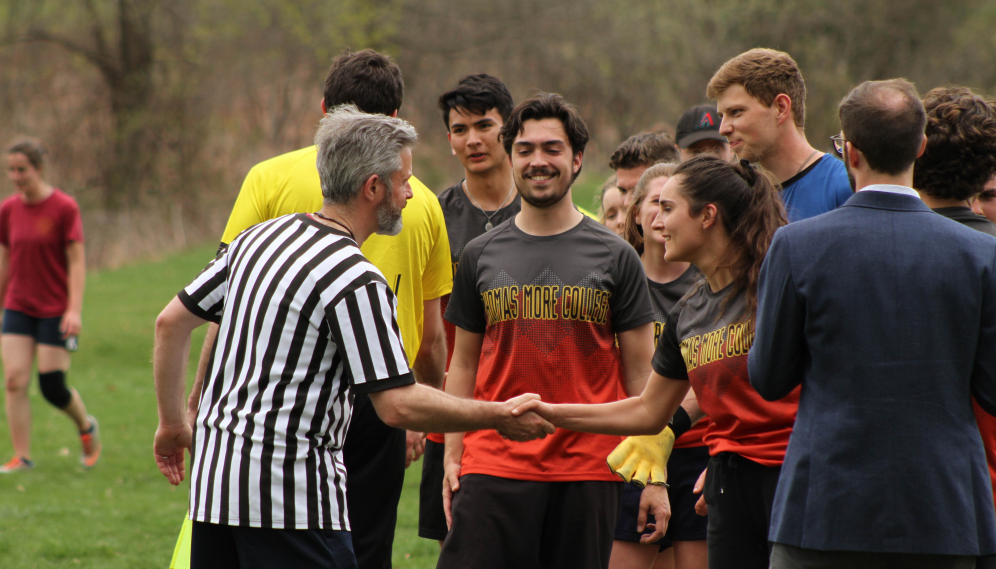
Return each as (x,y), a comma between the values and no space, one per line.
(101,60)
(96,29)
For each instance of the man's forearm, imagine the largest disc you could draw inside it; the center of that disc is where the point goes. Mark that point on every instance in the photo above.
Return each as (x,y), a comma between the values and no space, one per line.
(421,408)
(170,355)
(430,365)
(453,453)
(202,368)
(636,349)
(169,360)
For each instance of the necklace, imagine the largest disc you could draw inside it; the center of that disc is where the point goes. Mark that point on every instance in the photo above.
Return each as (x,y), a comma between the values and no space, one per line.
(337,222)
(487,226)
(804,162)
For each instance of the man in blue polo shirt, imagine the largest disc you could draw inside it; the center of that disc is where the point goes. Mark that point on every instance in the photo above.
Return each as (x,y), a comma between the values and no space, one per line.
(761,96)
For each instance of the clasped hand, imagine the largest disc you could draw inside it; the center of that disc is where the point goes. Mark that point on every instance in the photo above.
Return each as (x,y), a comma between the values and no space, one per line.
(525,426)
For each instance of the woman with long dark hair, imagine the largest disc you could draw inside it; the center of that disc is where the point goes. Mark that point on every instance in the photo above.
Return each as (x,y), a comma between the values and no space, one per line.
(721,218)
(42,273)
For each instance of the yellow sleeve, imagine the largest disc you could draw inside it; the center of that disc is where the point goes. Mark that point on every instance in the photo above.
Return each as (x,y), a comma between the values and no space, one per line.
(250,206)
(437,280)
(588,213)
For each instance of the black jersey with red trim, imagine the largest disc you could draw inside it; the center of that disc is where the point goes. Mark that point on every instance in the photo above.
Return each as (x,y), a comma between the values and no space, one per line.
(706,341)
(664,296)
(465,222)
(549,309)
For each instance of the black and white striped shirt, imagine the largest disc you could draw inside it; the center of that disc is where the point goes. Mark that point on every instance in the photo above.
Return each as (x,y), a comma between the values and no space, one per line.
(306,321)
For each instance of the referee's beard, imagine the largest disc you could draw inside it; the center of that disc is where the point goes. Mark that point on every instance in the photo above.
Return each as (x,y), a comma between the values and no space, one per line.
(388,215)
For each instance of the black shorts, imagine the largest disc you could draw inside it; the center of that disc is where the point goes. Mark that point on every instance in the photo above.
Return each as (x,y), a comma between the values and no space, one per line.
(374,454)
(500,523)
(43,330)
(431,519)
(683,470)
(221,547)
(740,494)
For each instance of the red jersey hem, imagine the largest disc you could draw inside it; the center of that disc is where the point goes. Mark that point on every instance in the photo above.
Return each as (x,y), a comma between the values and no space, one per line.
(750,453)
(606,476)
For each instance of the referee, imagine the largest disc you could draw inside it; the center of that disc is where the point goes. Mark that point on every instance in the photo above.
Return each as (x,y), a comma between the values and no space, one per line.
(305,322)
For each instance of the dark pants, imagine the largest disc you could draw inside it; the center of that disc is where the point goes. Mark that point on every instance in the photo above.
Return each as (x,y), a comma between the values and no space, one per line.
(214,546)
(374,455)
(431,518)
(521,524)
(791,557)
(739,493)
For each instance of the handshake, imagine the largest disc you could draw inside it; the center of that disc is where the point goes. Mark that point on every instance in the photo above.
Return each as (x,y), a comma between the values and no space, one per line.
(520,425)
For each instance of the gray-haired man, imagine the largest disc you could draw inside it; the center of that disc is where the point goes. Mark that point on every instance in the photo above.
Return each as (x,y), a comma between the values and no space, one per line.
(305,322)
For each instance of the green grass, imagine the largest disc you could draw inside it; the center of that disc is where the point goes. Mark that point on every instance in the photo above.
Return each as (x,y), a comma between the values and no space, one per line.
(123,513)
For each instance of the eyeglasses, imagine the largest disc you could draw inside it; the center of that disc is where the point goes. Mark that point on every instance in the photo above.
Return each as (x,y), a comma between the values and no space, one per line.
(838,143)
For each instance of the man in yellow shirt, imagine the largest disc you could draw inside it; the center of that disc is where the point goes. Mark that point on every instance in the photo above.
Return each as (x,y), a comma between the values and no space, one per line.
(416,263)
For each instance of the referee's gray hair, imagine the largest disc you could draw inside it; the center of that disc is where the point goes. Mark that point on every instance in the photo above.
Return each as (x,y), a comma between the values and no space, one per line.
(353,145)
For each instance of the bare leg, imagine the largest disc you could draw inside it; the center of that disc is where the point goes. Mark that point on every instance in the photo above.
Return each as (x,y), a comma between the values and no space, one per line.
(665,559)
(691,554)
(629,555)
(52,358)
(18,352)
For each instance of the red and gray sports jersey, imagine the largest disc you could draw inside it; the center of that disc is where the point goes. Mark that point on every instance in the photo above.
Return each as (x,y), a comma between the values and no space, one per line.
(464,223)
(664,296)
(549,309)
(706,341)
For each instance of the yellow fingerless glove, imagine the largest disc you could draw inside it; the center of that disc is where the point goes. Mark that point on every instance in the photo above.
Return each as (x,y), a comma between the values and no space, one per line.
(642,460)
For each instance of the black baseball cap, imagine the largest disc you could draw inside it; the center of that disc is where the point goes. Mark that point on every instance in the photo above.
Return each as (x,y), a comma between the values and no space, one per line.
(698,123)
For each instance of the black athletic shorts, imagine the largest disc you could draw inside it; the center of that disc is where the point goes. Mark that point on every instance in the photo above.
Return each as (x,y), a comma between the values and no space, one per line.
(501,523)
(431,519)
(214,546)
(43,330)
(740,494)
(683,470)
(374,454)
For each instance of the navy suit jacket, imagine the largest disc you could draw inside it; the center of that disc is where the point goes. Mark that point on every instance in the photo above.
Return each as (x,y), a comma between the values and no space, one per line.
(885,312)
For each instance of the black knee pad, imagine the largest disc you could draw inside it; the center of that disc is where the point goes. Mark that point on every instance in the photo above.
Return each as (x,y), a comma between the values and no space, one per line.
(53,388)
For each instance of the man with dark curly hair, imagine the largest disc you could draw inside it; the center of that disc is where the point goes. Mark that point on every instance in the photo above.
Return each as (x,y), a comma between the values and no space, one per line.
(960,156)
(959,160)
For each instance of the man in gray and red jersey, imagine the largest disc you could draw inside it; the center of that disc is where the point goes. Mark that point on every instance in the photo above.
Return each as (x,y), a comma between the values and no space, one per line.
(538,304)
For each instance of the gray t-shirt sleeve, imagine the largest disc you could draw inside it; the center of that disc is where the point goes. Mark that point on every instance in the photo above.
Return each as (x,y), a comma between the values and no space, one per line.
(630,302)
(668,360)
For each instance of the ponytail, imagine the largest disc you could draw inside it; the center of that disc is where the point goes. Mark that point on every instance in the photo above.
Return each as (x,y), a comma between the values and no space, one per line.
(749,207)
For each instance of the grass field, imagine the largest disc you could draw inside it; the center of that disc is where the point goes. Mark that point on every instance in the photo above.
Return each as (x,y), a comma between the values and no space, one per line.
(123,513)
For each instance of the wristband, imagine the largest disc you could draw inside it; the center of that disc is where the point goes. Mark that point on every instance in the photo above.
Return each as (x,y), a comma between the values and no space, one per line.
(680,423)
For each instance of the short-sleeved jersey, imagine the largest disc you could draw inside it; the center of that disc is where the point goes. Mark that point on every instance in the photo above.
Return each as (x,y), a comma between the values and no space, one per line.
(820,188)
(708,345)
(305,321)
(36,236)
(664,296)
(464,222)
(549,309)
(416,263)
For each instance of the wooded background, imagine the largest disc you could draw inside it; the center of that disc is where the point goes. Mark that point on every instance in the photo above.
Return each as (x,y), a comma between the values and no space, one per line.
(154,110)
